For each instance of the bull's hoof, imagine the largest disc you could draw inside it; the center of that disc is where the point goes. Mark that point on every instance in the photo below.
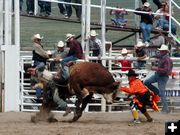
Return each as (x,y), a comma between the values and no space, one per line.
(34,119)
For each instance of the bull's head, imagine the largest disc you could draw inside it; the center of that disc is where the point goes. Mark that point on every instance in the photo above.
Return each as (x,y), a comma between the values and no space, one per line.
(109,97)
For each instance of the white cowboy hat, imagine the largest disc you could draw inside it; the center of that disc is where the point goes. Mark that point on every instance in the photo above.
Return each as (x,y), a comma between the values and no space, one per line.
(140,44)
(163,48)
(93,33)
(124,51)
(60,44)
(37,36)
(68,36)
(147,4)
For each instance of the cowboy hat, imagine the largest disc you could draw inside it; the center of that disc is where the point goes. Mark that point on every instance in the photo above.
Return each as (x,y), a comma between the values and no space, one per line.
(37,36)
(163,48)
(93,33)
(68,36)
(146,4)
(60,44)
(124,51)
(131,73)
(140,44)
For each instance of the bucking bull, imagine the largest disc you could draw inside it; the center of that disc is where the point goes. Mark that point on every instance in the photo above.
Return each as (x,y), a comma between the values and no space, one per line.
(85,79)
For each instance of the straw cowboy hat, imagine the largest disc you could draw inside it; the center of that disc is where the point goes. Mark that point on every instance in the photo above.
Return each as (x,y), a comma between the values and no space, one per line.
(93,33)
(124,51)
(163,48)
(140,44)
(37,36)
(131,73)
(60,44)
(146,4)
(68,36)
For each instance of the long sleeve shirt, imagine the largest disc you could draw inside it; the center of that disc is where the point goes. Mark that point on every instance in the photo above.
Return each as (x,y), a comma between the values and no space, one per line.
(135,87)
(146,18)
(75,49)
(165,65)
(39,50)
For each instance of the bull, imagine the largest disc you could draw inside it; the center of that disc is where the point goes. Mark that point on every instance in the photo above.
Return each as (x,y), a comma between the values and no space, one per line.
(85,79)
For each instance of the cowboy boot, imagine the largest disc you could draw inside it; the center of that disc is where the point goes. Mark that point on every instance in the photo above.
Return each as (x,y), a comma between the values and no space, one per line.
(149,119)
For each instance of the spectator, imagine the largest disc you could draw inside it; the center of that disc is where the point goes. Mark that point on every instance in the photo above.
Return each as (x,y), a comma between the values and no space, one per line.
(30,7)
(119,16)
(140,54)
(142,97)
(95,45)
(39,54)
(163,20)
(59,54)
(146,23)
(125,64)
(161,75)
(45,8)
(157,2)
(75,53)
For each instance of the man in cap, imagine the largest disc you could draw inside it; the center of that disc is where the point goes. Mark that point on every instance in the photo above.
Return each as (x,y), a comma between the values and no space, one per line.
(140,54)
(141,99)
(146,22)
(95,45)
(161,75)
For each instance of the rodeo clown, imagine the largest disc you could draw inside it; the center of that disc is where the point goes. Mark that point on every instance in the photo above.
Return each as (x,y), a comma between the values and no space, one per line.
(143,96)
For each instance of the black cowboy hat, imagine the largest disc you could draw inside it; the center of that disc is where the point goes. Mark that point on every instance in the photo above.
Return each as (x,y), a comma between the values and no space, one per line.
(131,73)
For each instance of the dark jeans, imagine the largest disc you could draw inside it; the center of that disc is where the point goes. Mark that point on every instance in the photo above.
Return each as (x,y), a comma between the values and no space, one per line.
(45,7)
(157,2)
(30,6)
(20,4)
(78,9)
(68,8)
(62,8)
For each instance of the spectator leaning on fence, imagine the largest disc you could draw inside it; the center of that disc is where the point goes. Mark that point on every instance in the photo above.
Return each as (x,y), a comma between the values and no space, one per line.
(125,64)
(146,23)
(39,54)
(163,20)
(95,45)
(59,54)
(161,75)
(140,54)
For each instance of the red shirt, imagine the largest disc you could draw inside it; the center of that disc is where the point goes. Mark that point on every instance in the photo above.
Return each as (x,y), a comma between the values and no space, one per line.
(125,65)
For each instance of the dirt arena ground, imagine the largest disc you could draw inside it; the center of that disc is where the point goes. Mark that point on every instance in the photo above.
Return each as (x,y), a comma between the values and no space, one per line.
(18,123)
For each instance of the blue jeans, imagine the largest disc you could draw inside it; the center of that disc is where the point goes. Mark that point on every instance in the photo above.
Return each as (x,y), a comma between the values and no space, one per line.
(164,24)
(146,31)
(161,80)
(65,69)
